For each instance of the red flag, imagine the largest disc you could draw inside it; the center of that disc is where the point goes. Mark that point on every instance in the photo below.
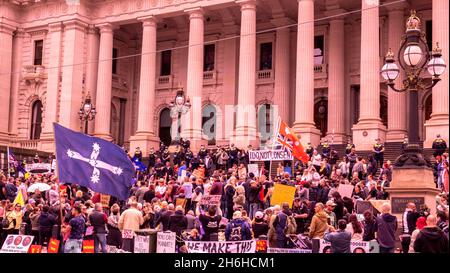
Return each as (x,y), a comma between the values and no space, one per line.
(287,138)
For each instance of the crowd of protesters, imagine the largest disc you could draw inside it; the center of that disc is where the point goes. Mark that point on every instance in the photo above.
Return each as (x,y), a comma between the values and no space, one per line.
(74,213)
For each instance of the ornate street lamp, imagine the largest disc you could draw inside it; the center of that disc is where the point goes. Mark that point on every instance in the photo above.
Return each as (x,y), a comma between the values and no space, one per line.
(179,106)
(87,112)
(414,59)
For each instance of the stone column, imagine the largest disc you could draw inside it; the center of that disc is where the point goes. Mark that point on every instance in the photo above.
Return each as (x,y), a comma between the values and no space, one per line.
(104,82)
(369,126)
(304,92)
(6,52)
(282,69)
(15,79)
(145,134)
(245,133)
(53,79)
(336,83)
(93,43)
(72,74)
(396,101)
(192,121)
(439,121)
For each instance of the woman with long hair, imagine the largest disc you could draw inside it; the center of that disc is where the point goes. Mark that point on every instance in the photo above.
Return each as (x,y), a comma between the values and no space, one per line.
(114,236)
(355,228)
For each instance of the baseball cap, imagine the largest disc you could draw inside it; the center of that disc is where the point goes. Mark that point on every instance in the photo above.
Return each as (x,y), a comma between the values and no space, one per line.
(330,203)
(259,215)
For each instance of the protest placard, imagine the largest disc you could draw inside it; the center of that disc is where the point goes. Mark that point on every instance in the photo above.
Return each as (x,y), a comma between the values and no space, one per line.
(88,246)
(165,242)
(180,202)
(53,246)
(282,193)
(322,246)
(261,246)
(221,246)
(104,199)
(345,190)
(288,250)
(268,155)
(127,234)
(17,244)
(378,203)
(253,168)
(141,244)
(35,249)
(199,173)
(209,200)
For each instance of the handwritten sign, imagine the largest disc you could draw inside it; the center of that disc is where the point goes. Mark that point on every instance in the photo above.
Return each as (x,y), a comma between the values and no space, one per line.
(281,194)
(268,155)
(141,244)
(253,168)
(127,234)
(288,250)
(210,200)
(222,247)
(165,242)
(17,244)
(345,190)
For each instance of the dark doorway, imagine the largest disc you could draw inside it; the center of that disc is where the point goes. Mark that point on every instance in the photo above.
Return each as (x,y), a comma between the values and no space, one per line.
(165,123)
(36,120)
(321,116)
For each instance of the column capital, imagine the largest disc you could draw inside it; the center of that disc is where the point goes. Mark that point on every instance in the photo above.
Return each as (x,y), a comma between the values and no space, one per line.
(195,13)
(246,4)
(335,14)
(281,22)
(5,28)
(55,27)
(105,27)
(19,33)
(370,3)
(75,24)
(91,29)
(148,20)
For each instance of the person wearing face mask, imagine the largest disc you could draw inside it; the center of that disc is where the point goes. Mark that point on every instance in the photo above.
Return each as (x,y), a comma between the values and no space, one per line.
(114,237)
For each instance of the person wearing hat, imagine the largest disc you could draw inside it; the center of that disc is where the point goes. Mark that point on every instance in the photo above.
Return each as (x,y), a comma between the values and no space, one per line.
(238,229)
(326,149)
(439,145)
(378,150)
(259,225)
(349,147)
(309,150)
(329,209)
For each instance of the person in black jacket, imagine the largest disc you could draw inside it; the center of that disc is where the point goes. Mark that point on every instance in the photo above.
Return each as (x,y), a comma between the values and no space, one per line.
(98,220)
(339,209)
(165,217)
(409,219)
(370,226)
(431,239)
(178,222)
(46,223)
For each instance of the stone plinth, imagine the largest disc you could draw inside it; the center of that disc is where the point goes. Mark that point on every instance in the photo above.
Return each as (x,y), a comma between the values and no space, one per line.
(144,142)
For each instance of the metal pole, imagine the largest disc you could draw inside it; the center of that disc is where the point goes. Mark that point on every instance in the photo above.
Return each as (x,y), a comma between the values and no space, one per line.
(413,135)
(86,126)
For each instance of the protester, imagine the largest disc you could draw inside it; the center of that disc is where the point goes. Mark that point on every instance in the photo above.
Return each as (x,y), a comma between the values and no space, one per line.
(386,227)
(431,239)
(340,239)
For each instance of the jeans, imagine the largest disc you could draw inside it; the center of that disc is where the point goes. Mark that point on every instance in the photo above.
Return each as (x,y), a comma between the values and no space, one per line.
(253,209)
(100,239)
(73,246)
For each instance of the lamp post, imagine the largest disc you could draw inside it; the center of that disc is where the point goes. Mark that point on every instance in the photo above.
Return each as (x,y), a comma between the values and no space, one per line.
(87,112)
(414,58)
(179,106)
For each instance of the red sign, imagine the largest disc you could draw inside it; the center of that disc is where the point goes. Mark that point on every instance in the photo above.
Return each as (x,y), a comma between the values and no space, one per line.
(53,246)
(88,246)
(62,189)
(35,249)
(261,246)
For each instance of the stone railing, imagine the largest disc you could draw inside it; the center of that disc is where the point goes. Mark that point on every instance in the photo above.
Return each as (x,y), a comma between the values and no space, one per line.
(264,76)
(164,82)
(119,82)
(34,73)
(320,71)
(209,77)
(29,144)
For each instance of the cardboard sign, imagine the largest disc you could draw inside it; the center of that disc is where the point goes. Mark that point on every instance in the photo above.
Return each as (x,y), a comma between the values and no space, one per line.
(355,246)
(281,194)
(253,168)
(288,250)
(141,244)
(199,173)
(104,199)
(180,202)
(210,200)
(222,246)
(345,190)
(88,246)
(269,155)
(165,242)
(378,203)
(17,244)
(35,249)
(261,246)
(127,234)
(53,246)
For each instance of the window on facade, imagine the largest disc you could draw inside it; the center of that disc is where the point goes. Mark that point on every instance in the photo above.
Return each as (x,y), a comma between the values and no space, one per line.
(36,120)
(38,50)
(265,59)
(209,57)
(318,49)
(209,123)
(114,60)
(166,62)
(429,34)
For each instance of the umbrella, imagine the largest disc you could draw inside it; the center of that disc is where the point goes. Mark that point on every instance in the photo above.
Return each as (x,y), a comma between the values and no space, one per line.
(38,186)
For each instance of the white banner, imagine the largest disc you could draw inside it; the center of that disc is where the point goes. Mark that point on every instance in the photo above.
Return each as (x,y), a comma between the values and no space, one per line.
(38,168)
(210,200)
(288,250)
(221,247)
(355,247)
(17,244)
(253,168)
(141,244)
(268,155)
(165,242)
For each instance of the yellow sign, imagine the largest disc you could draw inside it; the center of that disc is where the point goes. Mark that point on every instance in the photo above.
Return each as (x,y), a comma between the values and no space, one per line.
(104,199)
(281,194)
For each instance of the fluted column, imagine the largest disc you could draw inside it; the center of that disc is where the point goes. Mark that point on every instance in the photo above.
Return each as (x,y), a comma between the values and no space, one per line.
(304,91)
(396,100)
(336,83)
(15,79)
(245,133)
(193,120)
(104,82)
(282,72)
(93,44)
(439,122)
(6,51)
(72,74)
(145,134)
(369,126)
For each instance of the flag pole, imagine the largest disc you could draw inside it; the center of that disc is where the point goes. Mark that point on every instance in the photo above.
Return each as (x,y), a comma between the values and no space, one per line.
(57,176)
(8,166)
(273,145)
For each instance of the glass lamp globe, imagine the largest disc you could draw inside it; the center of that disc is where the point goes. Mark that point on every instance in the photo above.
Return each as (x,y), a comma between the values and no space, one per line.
(390,71)
(179,100)
(412,55)
(87,107)
(436,66)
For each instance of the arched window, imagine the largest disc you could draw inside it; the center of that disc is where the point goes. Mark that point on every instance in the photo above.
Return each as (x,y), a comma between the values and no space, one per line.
(36,120)
(265,121)
(165,123)
(209,119)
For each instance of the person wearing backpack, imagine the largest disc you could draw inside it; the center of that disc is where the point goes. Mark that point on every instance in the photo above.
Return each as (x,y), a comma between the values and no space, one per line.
(281,225)
(238,229)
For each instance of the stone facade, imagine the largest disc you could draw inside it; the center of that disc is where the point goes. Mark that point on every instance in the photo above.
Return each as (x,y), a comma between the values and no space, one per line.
(79,39)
